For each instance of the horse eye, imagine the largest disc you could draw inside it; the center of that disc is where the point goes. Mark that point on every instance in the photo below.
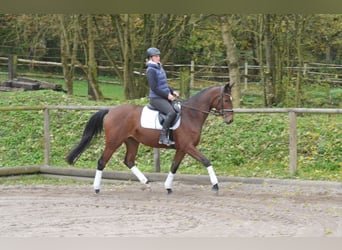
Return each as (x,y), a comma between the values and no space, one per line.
(230,97)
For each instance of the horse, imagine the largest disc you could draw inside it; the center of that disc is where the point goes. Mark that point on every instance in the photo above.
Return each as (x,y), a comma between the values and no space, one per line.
(121,125)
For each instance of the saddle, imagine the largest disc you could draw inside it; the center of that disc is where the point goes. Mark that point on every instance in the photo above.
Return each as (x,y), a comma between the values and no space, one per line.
(154,119)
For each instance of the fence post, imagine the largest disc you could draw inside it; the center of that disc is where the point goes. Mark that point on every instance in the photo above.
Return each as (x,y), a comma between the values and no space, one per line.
(293,142)
(156,158)
(192,72)
(246,74)
(184,82)
(46,137)
(305,69)
(12,67)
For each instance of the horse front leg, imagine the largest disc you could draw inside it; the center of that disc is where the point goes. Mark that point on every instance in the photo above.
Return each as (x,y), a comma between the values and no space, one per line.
(195,153)
(131,151)
(174,167)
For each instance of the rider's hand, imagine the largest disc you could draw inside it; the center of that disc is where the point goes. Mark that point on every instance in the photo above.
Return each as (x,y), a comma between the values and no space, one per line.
(171,97)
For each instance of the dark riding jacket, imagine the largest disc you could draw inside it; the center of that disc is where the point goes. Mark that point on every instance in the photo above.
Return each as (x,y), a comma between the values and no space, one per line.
(157,81)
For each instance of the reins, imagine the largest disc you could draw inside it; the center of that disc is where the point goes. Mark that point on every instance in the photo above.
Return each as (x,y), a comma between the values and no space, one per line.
(212,111)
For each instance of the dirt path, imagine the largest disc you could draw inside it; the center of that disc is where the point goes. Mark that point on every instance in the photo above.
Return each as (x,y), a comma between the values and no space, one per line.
(124,209)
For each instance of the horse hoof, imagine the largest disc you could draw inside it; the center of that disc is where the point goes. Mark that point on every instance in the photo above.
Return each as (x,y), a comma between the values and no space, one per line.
(215,188)
(97,191)
(146,186)
(169,191)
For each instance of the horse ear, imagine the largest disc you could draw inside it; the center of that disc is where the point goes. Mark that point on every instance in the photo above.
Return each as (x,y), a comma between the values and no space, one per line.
(229,86)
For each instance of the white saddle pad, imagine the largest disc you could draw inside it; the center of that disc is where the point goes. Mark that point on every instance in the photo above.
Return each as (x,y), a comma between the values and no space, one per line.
(149,119)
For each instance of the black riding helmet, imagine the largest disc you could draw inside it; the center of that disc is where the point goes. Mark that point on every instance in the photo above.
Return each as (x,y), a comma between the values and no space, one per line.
(152,52)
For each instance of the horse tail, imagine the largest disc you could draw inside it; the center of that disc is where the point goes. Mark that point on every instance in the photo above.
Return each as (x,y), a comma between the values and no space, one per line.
(92,128)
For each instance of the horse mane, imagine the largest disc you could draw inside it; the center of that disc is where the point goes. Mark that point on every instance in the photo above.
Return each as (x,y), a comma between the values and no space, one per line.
(198,94)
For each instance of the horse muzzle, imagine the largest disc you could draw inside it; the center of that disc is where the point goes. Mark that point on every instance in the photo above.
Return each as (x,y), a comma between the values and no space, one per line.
(228,119)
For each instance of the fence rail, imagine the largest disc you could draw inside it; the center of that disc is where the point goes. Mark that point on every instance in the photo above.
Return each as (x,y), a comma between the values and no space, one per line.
(331,73)
(292,112)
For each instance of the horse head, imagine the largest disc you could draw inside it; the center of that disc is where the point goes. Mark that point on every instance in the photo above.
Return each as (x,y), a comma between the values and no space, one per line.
(224,106)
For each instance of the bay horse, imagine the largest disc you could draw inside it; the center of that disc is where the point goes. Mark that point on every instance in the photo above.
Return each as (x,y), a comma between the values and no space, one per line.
(121,124)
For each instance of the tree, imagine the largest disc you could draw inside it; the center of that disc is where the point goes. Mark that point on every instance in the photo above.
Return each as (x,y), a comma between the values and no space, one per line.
(94,91)
(126,37)
(275,53)
(270,75)
(276,42)
(232,58)
(136,33)
(299,26)
(323,39)
(68,47)
(85,38)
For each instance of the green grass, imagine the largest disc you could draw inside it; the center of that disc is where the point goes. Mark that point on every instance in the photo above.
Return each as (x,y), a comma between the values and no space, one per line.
(110,91)
(255,145)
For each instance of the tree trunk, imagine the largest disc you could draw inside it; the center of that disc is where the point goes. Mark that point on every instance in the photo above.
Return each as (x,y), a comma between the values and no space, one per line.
(94,91)
(65,55)
(260,56)
(128,57)
(270,64)
(232,60)
(299,29)
(122,24)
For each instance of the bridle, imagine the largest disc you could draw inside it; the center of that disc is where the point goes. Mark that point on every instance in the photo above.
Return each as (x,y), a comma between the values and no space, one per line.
(222,112)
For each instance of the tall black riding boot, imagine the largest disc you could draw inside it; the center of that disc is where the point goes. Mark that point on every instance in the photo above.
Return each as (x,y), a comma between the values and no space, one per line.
(163,139)
(164,135)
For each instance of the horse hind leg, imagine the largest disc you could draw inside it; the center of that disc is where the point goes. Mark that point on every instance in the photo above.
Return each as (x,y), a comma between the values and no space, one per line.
(213,178)
(98,175)
(101,164)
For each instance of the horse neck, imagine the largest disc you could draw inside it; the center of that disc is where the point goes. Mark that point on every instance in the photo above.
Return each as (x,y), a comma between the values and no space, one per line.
(203,100)
(199,106)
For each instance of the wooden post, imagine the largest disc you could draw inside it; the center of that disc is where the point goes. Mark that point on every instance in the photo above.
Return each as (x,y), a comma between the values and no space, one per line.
(246,74)
(12,67)
(305,69)
(192,72)
(293,142)
(156,157)
(184,76)
(46,137)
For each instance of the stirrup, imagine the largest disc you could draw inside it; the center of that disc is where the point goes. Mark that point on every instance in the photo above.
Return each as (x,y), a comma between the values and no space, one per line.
(166,141)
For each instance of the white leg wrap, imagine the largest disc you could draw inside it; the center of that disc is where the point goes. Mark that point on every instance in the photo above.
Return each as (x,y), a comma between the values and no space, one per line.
(168,181)
(141,177)
(97,180)
(212,175)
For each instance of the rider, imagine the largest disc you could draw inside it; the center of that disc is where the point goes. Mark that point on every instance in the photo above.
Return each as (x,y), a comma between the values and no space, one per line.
(161,95)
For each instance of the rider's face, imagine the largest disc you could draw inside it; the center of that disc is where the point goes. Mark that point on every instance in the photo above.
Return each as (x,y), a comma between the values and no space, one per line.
(156,58)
